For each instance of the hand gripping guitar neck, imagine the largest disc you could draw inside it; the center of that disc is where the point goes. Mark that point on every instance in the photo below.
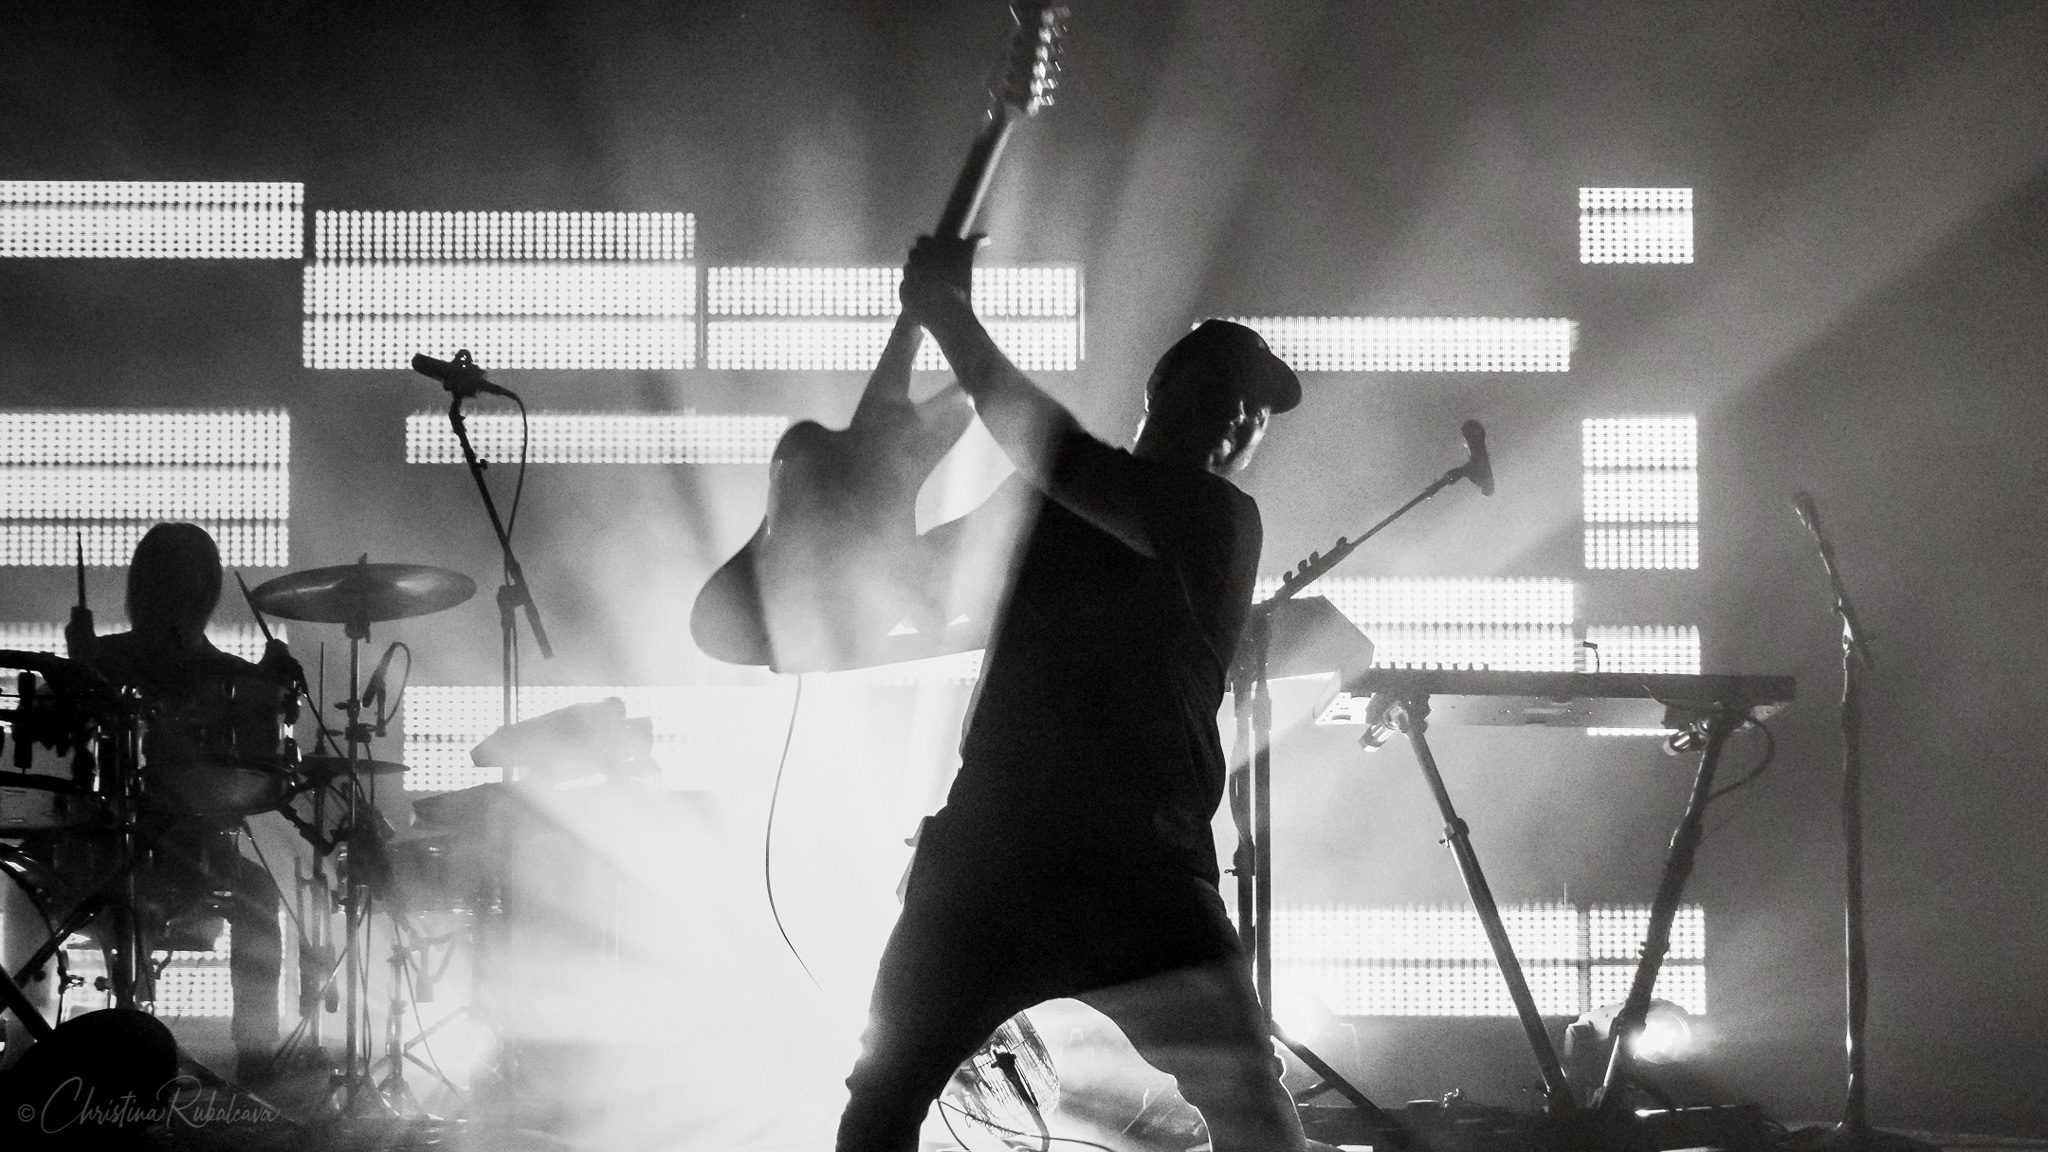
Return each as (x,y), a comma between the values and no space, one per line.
(836,565)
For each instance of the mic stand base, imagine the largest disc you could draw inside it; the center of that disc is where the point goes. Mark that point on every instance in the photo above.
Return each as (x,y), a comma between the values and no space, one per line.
(1845,1138)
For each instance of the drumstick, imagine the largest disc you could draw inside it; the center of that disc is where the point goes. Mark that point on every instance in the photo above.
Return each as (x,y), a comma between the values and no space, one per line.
(258,612)
(78,634)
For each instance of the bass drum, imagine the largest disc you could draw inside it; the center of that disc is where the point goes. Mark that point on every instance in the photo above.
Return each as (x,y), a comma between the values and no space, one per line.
(223,749)
(24,928)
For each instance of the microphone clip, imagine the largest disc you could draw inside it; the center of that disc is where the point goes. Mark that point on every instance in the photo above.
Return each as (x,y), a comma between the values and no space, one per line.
(461,376)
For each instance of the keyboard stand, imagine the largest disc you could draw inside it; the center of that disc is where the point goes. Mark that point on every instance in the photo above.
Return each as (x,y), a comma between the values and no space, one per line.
(1410,717)
(1604,1122)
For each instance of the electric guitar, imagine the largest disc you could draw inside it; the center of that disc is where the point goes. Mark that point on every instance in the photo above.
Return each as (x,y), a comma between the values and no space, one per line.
(836,564)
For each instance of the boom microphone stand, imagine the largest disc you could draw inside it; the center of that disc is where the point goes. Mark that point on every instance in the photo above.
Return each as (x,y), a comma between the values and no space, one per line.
(1854,1133)
(1251,792)
(464,379)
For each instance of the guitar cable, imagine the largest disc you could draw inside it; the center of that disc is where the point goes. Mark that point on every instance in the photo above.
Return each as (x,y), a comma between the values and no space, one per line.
(946,1106)
(768,835)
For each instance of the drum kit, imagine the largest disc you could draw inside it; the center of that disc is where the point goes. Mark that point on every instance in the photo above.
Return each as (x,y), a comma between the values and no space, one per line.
(100,769)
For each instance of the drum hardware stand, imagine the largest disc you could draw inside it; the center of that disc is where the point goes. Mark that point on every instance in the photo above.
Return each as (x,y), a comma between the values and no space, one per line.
(315,928)
(13,999)
(1251,782)
(354,596)
(356,899)
(316,952)
(514,595)
(392,1089)
(1854,1133)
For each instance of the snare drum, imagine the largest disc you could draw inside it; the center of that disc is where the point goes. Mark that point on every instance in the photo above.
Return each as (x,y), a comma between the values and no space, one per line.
(224,748)
(36,803)
(47,737)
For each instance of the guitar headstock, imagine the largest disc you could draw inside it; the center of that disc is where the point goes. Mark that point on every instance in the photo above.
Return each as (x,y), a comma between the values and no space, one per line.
(1033,68)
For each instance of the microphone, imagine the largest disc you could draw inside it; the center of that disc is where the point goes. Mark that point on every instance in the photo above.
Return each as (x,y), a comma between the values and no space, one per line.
(376,689)
(460,376)
(1479,467)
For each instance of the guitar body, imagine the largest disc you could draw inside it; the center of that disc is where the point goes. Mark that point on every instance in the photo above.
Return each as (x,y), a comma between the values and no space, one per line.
(836,565)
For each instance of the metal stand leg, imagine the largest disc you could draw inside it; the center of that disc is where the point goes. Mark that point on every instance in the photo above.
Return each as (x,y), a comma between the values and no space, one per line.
(1252,810)
(13,999)
(1412,718)
(1678,864)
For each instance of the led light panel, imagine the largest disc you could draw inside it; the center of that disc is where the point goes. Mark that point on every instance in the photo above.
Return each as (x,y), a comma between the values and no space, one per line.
(520,290)
(819,292)
(1683,984)
(1422,932)
(1641,501)
(1635,226)
(854,345)
(143,491)
(1615,932)
(145,436)
(1418,343)
(1434,960)
(698,731)
(1505,624)
(109,545)
(243,640)
(109,475)
(837,319)
(551,288)
(160,219)
(1449,600)
(409,236)
(600,438)
(1656,648)
(1667,547)
(1434,988)
(500,343)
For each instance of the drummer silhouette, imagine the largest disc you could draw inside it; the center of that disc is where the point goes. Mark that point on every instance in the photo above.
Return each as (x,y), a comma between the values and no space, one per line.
(199,793)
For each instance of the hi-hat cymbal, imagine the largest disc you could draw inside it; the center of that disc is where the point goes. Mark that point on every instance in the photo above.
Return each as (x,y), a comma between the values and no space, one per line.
(321,769)
(362,592)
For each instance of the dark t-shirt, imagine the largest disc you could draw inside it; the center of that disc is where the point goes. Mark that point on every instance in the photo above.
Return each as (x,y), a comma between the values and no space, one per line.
(1092,739)
(156,664)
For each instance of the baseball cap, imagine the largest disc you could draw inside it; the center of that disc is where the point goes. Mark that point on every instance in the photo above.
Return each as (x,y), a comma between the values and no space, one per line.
(1229,355)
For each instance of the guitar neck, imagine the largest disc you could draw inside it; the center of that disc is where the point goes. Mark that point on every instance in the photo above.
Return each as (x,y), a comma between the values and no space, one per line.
(971,187)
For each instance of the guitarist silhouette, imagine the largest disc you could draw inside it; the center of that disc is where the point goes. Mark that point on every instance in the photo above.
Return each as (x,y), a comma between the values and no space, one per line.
(1073,856)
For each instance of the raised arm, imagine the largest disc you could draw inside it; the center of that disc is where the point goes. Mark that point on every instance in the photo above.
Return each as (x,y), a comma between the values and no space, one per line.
(1027,423)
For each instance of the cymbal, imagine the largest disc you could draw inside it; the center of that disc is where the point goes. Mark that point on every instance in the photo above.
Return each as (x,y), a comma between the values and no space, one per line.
(362,592)
(321,769)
